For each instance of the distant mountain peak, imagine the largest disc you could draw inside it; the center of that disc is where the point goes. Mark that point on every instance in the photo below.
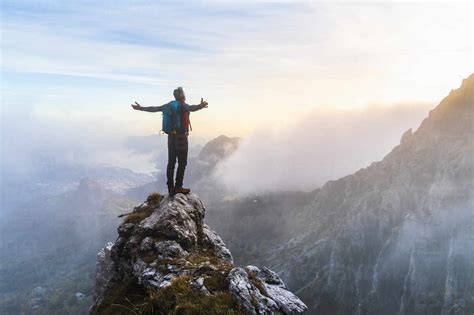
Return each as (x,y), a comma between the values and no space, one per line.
(455,112)
(219,148)
(469,81)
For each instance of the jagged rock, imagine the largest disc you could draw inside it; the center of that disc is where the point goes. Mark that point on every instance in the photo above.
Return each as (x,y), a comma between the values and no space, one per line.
(125,229)
(212,241)
(105,270)
(170,249)
(179,218)
(148,276)
(275,289)
(164,246)
(248,295)
(199,285)
(263,292)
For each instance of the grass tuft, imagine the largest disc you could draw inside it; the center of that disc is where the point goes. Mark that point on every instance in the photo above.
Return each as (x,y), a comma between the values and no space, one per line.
(181,298)
(153,201)
(257,283)
(177,298)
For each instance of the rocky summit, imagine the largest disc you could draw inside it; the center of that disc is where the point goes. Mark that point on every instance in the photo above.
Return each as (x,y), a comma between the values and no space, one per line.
(166,260)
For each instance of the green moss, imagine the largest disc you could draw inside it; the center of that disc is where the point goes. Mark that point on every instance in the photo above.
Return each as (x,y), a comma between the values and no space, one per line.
(177,298)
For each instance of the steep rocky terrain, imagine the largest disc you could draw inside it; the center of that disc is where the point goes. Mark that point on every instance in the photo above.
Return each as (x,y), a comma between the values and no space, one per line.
(398,236)
(166,260)
(252,225)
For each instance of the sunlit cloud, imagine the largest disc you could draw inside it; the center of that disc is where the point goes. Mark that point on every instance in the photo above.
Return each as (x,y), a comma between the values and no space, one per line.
(320,146)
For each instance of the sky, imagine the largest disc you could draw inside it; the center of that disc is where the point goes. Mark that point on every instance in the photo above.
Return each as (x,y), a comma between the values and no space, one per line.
(74,67)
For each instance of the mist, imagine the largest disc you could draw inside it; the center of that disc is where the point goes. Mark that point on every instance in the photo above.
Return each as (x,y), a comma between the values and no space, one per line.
(88,143)
(323,145)
(47,156)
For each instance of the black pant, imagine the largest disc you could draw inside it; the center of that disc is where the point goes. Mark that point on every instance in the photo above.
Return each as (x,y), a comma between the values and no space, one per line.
(177,149)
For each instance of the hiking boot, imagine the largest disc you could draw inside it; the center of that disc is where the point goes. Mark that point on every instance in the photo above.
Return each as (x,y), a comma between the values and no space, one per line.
(181,190)
(171,190)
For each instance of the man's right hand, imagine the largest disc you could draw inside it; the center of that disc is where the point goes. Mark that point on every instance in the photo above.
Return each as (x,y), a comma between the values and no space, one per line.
(136,106)
(203,104)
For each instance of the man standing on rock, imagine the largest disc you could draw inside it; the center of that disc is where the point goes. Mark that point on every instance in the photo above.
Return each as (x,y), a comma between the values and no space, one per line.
(176,124)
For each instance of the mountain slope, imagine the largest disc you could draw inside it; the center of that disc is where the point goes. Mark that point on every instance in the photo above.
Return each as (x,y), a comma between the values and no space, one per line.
(396,237)
(252,225)
(51,244)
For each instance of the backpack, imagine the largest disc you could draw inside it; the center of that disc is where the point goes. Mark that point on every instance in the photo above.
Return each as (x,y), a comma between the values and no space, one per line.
(172,117)
(175,118)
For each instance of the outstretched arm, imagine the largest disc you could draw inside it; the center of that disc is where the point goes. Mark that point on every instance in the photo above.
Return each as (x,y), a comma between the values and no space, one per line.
(203,104)
(151,109)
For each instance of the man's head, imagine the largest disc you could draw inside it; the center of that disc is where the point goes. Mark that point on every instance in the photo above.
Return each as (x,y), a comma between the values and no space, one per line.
(179,94)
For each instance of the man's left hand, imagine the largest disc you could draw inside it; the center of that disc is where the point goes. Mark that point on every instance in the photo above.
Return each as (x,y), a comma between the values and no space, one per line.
(136,106)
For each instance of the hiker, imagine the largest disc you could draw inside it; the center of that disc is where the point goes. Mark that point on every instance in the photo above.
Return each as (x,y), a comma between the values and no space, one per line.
(176,124)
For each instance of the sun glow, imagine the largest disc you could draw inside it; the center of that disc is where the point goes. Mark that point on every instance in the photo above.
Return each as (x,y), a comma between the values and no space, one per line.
(284,59)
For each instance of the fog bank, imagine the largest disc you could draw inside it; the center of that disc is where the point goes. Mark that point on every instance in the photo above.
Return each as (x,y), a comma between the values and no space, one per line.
(325,144)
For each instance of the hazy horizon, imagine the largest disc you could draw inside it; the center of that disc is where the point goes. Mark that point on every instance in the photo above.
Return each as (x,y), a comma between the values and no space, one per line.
(242,57)
(66,91)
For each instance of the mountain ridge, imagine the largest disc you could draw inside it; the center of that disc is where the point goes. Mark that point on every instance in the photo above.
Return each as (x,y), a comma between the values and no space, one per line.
(364,234)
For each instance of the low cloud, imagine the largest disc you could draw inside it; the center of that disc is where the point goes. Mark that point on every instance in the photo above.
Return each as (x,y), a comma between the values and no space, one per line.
(324,145)
(32,144)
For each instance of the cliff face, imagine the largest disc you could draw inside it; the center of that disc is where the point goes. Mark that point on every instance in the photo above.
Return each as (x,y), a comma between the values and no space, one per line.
(166,259)
(398,236)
